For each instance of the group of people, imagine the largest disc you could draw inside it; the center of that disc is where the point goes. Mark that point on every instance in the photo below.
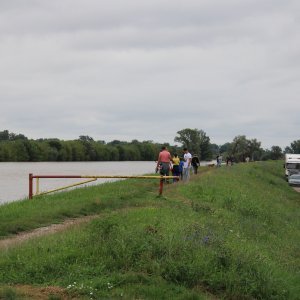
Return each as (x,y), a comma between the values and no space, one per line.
(180,166)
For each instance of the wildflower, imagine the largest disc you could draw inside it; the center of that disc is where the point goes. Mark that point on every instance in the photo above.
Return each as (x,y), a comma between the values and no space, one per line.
(109,285)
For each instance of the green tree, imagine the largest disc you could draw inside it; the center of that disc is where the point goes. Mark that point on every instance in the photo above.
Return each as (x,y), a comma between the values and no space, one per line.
(103,152)
(86,138)
(241,148)
(11,151)
(131,153)
(225,148)
(14,137)
(294,147)
(254,149)
(55,143)
(20,150)
(65,153)
(148,151)
(116,143)
(4,151)
(265,154)
(4,135)
(215,149)
(189,138)
(78,151)
(113,153)
(196,141)
(16,147)
(276,153)
(205,148)
(34,150)
(89,147)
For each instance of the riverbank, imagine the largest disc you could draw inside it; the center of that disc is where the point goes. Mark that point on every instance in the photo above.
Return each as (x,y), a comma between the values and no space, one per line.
(231,232)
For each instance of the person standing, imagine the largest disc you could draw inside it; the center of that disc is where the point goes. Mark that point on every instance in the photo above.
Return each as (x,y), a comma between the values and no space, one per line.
(176,161)
(195,163)
(187,157)
(220,160)
(181,163)
(163,161)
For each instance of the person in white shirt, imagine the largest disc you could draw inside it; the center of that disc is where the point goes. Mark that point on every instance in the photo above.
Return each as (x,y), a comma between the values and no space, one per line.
(187,157)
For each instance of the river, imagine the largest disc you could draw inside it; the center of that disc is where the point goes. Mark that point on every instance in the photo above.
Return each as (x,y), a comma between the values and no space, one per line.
(14,175)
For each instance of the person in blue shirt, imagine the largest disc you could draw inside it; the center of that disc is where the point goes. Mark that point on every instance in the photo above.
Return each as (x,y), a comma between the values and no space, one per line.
(181,163)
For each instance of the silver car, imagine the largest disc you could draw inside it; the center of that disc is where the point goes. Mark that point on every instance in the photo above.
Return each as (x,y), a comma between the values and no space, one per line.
(294,179)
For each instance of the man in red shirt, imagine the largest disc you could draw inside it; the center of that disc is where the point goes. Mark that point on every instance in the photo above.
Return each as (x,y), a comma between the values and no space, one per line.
(164,159)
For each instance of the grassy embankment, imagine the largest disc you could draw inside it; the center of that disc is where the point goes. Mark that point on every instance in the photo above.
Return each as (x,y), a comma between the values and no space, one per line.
(230,233)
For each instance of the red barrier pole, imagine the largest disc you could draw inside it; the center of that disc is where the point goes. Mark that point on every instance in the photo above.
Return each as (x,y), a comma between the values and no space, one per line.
(30,186)
(161,185)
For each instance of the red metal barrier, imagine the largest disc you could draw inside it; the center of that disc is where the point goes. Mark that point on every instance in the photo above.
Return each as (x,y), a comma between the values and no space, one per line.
(30,186)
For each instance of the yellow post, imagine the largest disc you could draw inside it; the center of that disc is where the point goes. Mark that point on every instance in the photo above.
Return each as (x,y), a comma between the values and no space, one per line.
(37,186)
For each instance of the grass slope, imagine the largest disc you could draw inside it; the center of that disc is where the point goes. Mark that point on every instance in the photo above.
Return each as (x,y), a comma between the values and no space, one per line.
(232,232)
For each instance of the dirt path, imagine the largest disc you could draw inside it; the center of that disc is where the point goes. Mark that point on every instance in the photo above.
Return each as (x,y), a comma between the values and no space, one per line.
(35,292)
(21,237)
(297,189)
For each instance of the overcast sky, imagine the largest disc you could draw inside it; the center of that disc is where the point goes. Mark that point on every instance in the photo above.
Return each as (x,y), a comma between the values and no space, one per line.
(133,69)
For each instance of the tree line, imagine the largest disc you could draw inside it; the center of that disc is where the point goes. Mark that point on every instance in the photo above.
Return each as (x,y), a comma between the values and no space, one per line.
(239,149)
(18,148)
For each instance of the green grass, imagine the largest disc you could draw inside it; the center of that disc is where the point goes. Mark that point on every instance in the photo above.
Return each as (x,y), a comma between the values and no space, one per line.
(230,233)
(44,210)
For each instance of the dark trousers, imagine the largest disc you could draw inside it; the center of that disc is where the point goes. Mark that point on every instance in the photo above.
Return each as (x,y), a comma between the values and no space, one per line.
(195,168)
(175,172)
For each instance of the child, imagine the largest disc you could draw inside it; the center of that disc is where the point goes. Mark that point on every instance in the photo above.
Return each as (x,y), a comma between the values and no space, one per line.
(175,171)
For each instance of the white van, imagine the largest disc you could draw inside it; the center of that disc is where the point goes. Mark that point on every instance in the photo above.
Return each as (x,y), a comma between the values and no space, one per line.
(292,164)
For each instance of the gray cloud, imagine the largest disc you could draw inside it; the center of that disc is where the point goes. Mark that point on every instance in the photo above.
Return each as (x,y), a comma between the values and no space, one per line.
(135,70)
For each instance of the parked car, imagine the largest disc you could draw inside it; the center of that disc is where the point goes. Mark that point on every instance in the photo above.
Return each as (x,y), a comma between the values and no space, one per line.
(294,179)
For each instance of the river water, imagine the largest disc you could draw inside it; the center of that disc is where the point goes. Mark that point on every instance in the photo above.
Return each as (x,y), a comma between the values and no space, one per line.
(14,175)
